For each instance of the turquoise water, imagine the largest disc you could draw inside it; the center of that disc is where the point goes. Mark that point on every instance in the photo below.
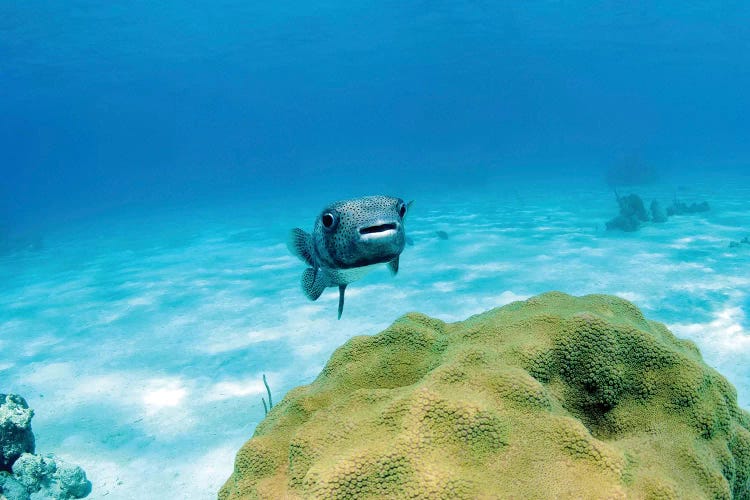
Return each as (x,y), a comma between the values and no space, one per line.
(142,350)
(153,157)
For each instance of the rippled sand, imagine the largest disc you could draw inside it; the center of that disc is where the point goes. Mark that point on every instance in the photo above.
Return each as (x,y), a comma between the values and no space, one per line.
(140,339)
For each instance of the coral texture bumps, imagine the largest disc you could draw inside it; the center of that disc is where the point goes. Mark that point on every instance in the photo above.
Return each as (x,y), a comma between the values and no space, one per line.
(553,397)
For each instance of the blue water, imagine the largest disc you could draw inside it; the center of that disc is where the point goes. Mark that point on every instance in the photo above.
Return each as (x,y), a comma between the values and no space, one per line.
(154,155)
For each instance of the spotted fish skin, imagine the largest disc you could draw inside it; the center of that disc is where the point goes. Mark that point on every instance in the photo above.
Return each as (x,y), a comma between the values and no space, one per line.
(349,237)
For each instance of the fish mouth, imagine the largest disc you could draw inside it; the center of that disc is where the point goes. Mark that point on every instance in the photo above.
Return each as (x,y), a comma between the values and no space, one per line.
(379,229)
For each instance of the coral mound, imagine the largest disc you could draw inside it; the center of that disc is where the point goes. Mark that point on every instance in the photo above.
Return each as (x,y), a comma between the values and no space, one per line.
(553,397)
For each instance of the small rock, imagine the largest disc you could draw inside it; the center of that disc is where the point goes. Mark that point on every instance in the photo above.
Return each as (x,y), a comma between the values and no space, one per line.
(33,471)
(12,489)
(69,481)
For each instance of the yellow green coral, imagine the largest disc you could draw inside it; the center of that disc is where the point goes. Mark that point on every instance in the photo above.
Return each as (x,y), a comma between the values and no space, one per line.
(553,397)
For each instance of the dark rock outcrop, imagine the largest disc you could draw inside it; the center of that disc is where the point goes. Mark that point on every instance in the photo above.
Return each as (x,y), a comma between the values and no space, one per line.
(658,214)
(16,436)
(25,474)
(632,214)
(681,208)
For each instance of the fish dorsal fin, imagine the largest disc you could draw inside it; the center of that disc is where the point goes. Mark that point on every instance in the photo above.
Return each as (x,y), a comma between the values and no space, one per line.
(393,266)
(300,244)
(313,283)
(342,289)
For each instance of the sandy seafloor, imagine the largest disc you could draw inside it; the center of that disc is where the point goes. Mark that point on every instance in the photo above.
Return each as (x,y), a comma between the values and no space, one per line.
(140,337)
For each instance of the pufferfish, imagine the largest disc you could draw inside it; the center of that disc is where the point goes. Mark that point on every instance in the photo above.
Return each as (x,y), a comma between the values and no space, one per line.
(348,239)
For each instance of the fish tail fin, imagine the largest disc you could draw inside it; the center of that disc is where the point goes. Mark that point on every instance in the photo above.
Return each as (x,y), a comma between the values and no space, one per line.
(313,283)
(299,244)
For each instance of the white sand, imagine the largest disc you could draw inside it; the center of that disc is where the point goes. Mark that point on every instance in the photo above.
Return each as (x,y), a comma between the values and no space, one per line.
(140,340)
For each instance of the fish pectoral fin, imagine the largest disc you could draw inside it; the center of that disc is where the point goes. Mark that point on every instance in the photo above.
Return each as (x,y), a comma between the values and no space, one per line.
(299,243)
(313,283)
(342,289)
(409,241)
(393,266)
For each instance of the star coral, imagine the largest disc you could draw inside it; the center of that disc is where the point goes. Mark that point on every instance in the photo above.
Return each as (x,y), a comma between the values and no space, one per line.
(556,396)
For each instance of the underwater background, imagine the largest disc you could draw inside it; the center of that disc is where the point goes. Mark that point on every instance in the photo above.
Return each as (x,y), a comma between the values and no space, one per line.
(154,155)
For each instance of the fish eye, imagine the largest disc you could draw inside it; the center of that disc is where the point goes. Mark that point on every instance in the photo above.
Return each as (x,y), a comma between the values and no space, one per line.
(328,219)
(402,211)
